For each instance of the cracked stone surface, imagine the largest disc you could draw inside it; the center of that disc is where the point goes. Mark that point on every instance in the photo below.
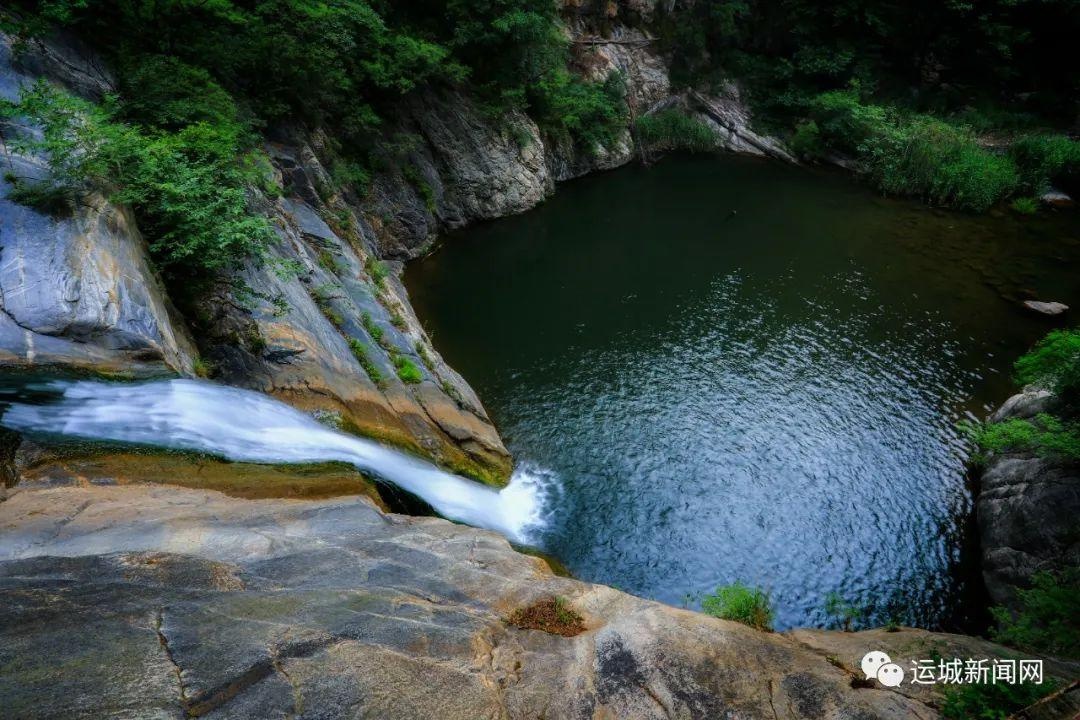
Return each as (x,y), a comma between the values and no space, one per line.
(166,602)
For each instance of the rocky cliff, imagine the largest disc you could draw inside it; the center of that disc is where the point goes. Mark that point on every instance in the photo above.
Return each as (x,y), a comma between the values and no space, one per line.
(76,288)
(1027,509)
(322,323)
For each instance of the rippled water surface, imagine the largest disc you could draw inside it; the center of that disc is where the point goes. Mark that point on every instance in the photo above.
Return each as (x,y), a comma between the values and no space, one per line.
(738,370)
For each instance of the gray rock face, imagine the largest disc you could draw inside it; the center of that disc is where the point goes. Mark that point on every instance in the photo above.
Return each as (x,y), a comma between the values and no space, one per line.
(157,602)
(1027,511)
(77,290)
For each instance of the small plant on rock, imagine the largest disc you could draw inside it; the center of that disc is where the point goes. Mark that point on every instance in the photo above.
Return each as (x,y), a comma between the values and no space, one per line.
(749,606)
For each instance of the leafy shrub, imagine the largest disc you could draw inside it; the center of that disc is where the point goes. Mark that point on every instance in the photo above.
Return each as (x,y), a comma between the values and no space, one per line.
(1054,363)
(422,186)
(1046,159)
(164,92)
(750,606)
(425,356)
(201,367)
(990,701)
(1044,435)
(672,129)
(377,271)
(842,611)
(188,188)
(592,114)
(375,331)
(1047,618)
(806,140)
(407,370)
(844,122)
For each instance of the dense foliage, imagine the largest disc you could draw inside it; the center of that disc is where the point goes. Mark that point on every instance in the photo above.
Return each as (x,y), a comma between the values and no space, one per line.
(1054,363)
(341,63)
(906,89)
(188,187)
(199,80)
(1046,621)
(931,55)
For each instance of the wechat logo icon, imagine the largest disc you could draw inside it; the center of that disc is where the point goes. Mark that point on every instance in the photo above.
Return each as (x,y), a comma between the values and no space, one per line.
(877,665)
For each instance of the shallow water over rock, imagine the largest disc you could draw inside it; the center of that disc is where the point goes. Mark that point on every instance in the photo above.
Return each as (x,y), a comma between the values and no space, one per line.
(739,370)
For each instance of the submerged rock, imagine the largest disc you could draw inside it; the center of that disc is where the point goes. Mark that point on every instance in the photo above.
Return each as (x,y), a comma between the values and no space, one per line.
(187,602)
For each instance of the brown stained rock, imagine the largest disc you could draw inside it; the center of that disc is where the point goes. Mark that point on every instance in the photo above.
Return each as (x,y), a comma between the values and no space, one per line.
(551,615)
(241,480)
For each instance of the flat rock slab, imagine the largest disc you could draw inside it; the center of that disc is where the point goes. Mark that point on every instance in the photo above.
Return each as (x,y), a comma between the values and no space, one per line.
(1046,308)
(163,602)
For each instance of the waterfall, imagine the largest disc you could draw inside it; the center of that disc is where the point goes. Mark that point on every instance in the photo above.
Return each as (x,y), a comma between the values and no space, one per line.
(247,426)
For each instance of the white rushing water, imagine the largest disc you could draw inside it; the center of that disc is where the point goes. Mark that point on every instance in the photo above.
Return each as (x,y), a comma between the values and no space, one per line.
(243,425)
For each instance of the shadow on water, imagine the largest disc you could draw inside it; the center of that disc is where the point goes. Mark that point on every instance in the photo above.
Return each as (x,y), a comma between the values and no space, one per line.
(738,370)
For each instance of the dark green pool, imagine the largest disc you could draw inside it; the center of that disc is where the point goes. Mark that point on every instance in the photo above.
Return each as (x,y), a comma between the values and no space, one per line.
(739,370)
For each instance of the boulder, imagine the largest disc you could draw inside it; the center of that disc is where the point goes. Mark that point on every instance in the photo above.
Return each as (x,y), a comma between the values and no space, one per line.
(906,646)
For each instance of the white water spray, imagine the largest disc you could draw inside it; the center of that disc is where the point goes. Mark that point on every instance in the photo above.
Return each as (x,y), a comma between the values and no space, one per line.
(247,426)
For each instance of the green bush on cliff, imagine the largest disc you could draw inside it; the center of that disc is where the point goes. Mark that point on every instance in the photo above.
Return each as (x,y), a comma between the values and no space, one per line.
(344,64)
(749,606)
(1054,363)
(1044,435)
(592,114)
(1047,619)
(188,187)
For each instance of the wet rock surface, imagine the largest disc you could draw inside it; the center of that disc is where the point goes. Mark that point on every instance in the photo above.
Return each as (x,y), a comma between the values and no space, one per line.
(187,602)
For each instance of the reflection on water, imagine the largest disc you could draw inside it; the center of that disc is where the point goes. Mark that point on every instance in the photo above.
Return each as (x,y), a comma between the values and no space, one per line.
(744,371)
